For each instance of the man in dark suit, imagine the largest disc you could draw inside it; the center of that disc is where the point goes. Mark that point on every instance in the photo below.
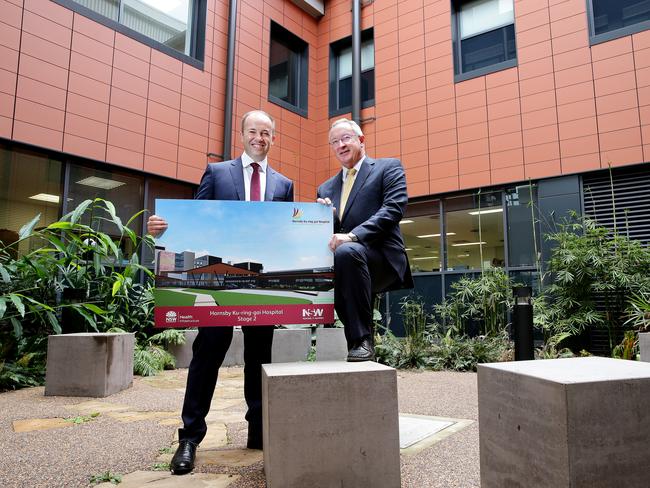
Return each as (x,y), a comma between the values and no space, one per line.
(369,198)
(246,178)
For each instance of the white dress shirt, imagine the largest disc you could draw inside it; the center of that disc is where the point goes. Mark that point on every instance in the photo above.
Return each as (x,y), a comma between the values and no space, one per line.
(248,175)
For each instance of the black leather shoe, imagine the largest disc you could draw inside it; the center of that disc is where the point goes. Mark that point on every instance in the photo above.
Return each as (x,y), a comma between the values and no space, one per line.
(183,460)
(363,351)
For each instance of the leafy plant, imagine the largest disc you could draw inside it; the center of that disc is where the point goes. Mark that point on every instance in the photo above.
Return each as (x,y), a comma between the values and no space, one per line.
(412,351)
(628,348)
(483,301)
(106,477)
(465,353)
(161,467)
(429,345)
(77,278)
(595,273)
(638,311)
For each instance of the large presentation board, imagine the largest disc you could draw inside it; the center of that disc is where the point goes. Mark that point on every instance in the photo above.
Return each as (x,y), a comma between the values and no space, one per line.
(225,263)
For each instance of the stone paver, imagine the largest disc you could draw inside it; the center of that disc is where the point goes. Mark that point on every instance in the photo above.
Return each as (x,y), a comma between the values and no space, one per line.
(217,436)
(231,458)
(161,479)
(30,425)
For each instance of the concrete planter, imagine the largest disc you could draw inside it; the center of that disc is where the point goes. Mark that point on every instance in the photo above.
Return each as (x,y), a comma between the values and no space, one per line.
(577,422)
(235,354)
(290,345)
(89,364)
(330,424)
(331,345)
(183,352)
(644,346)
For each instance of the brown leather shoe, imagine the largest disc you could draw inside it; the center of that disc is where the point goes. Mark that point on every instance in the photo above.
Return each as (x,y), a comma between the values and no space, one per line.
(363,351)
(183,460)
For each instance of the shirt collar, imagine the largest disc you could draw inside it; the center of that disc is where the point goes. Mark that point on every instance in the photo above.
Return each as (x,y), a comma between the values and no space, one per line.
(356,166)
(247,160)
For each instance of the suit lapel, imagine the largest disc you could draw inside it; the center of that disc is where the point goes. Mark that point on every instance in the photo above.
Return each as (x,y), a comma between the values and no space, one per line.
(367,166)
(237,174)
(270,184)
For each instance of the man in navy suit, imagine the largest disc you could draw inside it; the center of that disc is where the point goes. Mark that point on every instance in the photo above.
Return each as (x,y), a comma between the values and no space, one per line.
(246,178)
(369,198)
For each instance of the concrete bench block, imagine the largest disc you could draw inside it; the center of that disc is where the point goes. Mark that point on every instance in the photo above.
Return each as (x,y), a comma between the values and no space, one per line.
(330,424)
(235,354)
(290,345)
(331,345)
(89,364)
(183,352)
(578,422)
(644,346)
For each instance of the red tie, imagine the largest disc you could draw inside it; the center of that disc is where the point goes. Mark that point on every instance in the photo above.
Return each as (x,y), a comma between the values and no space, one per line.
(255,183)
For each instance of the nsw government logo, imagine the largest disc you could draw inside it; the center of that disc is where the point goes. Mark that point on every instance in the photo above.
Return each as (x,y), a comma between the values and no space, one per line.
(316,313)
(170,317)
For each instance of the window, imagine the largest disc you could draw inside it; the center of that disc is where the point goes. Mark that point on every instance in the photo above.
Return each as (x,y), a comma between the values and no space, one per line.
(610,19)
(341,73)
(175,26)
(523,231)
(31,185)
(125,191)
(288,70)
(159,188)
(421,231)
(484,38)
(474,231)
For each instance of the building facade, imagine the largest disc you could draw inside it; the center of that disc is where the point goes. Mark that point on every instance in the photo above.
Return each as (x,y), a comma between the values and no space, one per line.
(505,113)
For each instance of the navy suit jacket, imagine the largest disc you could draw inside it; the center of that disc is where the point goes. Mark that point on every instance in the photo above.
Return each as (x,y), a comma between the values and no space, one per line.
(225,181)
(373,211)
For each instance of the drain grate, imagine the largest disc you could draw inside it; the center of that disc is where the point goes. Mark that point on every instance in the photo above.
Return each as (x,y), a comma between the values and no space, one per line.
(417,432)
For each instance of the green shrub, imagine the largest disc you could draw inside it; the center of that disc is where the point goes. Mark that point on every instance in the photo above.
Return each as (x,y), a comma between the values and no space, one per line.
(76,278)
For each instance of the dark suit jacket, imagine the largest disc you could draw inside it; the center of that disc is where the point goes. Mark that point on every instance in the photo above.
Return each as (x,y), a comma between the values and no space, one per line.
(374,208)
(225,181)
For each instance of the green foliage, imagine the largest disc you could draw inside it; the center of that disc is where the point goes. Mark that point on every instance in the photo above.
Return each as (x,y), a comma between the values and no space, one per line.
(551,348)
(465,353)
(628,348)
(161,467)
(483,301)
(76,278)
(81,419)
(638,311)
(594,274)
(106,477)
(427,345)
(150,359)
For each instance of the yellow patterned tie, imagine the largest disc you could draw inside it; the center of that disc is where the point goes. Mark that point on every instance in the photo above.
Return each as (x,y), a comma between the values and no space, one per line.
(347,187)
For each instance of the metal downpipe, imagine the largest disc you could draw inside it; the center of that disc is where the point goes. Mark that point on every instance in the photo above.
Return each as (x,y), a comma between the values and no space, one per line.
(230,80)
(356,61)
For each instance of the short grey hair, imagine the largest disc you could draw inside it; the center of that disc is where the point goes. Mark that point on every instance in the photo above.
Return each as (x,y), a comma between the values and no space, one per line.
(248,114)
(350,123)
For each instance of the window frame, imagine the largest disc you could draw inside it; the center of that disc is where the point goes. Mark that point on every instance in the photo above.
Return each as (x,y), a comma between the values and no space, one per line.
(613,34)
(300,70)
(335,50)
(456,48)
(197,35)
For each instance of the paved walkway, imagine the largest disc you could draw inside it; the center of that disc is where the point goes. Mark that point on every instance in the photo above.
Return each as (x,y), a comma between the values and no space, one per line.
(64,441)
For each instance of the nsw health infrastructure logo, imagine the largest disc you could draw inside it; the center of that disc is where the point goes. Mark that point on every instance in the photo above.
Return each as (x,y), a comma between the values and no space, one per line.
(171,317)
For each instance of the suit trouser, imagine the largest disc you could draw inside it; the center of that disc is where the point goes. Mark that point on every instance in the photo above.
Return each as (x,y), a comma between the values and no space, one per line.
(359,272)
(208,352)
